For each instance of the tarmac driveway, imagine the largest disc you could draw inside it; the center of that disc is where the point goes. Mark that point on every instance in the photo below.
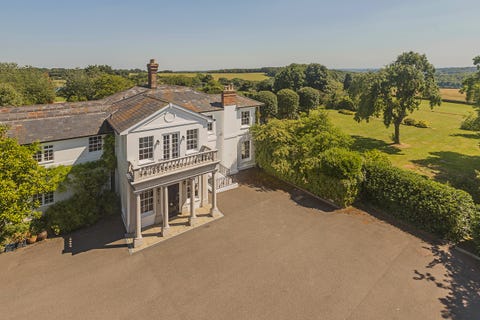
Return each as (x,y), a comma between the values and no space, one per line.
(277,254)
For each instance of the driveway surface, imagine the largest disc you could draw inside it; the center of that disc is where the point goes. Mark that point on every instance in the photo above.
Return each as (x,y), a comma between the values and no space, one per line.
(277,254)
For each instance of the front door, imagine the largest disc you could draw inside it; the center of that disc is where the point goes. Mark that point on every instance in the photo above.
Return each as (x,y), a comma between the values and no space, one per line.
(173,200)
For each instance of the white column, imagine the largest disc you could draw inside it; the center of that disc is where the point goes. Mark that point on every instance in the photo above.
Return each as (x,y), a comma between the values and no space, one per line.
(138,227)
(165,225)
(193,216)
(204,190)
(214,209)
(155,205)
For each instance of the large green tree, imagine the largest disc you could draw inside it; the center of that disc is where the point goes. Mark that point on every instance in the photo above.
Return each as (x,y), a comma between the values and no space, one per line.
(288,103)
(9,96)
(270,105)
(309,98)
(21,178)
(290,77)
(397,90)
(32,85)
(316,76)
(92,83)
(471,85)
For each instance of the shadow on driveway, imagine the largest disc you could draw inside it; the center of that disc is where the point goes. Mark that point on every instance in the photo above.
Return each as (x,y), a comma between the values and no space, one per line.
(108,233)
(260,181)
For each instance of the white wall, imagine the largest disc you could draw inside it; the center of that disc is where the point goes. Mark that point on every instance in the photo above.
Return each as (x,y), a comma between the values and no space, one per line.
(70,152)
(232,136)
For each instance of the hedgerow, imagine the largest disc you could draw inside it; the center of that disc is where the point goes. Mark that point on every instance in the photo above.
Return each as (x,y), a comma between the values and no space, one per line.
(429,205)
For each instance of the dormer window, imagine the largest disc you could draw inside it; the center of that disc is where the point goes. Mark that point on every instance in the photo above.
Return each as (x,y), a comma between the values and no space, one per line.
(145,148)
(245,118)
(45,154)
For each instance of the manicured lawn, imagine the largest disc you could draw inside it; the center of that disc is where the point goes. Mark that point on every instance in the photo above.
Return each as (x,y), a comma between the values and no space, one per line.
(442,151)
(253,76)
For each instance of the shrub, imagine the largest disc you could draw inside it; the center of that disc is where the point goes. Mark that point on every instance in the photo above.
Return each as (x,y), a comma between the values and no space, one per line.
(341,163)
(421,124)
(415,123)
(342,192)
(409,122)
(346,103)
(471,123)
(429,205)
(347,112)
(292,150)
(476,235)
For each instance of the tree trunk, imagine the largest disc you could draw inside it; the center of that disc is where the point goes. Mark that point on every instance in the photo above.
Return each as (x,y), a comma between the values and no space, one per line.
(396,136)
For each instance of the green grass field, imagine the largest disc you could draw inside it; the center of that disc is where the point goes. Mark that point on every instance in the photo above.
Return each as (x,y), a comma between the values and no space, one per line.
(442,151)
(253,76)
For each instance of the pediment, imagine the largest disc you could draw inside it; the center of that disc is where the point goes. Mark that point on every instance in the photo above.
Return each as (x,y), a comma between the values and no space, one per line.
(170,116)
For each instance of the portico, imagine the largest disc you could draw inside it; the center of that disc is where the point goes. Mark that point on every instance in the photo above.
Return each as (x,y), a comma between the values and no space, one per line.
(162,191)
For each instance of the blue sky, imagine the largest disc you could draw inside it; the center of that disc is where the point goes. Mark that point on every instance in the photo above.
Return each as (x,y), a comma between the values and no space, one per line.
(209,34)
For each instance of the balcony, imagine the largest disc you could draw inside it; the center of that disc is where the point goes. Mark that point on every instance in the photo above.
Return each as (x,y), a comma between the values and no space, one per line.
(206,156)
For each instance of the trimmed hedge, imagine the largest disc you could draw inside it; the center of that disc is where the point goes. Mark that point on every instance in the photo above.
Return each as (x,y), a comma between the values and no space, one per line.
(429,205)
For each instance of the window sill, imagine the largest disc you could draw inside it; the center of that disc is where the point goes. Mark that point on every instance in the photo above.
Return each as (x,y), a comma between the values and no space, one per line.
(244,126)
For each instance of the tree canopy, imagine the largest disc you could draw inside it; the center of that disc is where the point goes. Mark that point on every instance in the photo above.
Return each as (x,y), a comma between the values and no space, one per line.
(309,98)
(316,76)
(288,103)
(92,83)
(290,77)
(24,86)
(21,178)
(270,105)
(396,90)
(471,85)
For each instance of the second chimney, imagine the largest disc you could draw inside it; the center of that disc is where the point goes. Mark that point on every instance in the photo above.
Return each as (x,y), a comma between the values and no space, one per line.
(152,74)
(229,96)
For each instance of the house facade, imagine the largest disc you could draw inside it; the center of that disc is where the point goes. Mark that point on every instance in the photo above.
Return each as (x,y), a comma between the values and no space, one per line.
(175,147)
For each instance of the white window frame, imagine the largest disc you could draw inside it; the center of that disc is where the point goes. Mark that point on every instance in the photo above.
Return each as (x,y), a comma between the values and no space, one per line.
(45,199)
(145,148)
(196,188)
(146,202)
(192,139)
(95,143)
(243,152)
(172,151)
(45,154)
(210,125)
(245,117)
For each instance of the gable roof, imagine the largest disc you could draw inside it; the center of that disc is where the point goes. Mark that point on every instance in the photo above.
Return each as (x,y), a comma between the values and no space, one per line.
(51,122)
(130,111)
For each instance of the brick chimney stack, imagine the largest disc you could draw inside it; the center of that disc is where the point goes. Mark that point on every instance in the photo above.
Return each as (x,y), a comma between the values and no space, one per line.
(152,74)
(229,96)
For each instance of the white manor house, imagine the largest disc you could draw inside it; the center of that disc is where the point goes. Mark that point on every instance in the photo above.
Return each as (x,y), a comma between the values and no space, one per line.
(169,140)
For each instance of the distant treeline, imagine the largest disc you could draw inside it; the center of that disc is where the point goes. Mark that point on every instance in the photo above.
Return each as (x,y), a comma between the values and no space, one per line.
(269,71)
(445,77)
(453,77)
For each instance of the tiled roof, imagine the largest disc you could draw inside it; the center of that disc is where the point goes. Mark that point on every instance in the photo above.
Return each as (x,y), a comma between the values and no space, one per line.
(128,112)
(60,121)
(69,120)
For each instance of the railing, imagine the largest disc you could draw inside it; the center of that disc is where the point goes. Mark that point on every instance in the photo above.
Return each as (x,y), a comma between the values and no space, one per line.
(223,179)
(168,166)
(223,170)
